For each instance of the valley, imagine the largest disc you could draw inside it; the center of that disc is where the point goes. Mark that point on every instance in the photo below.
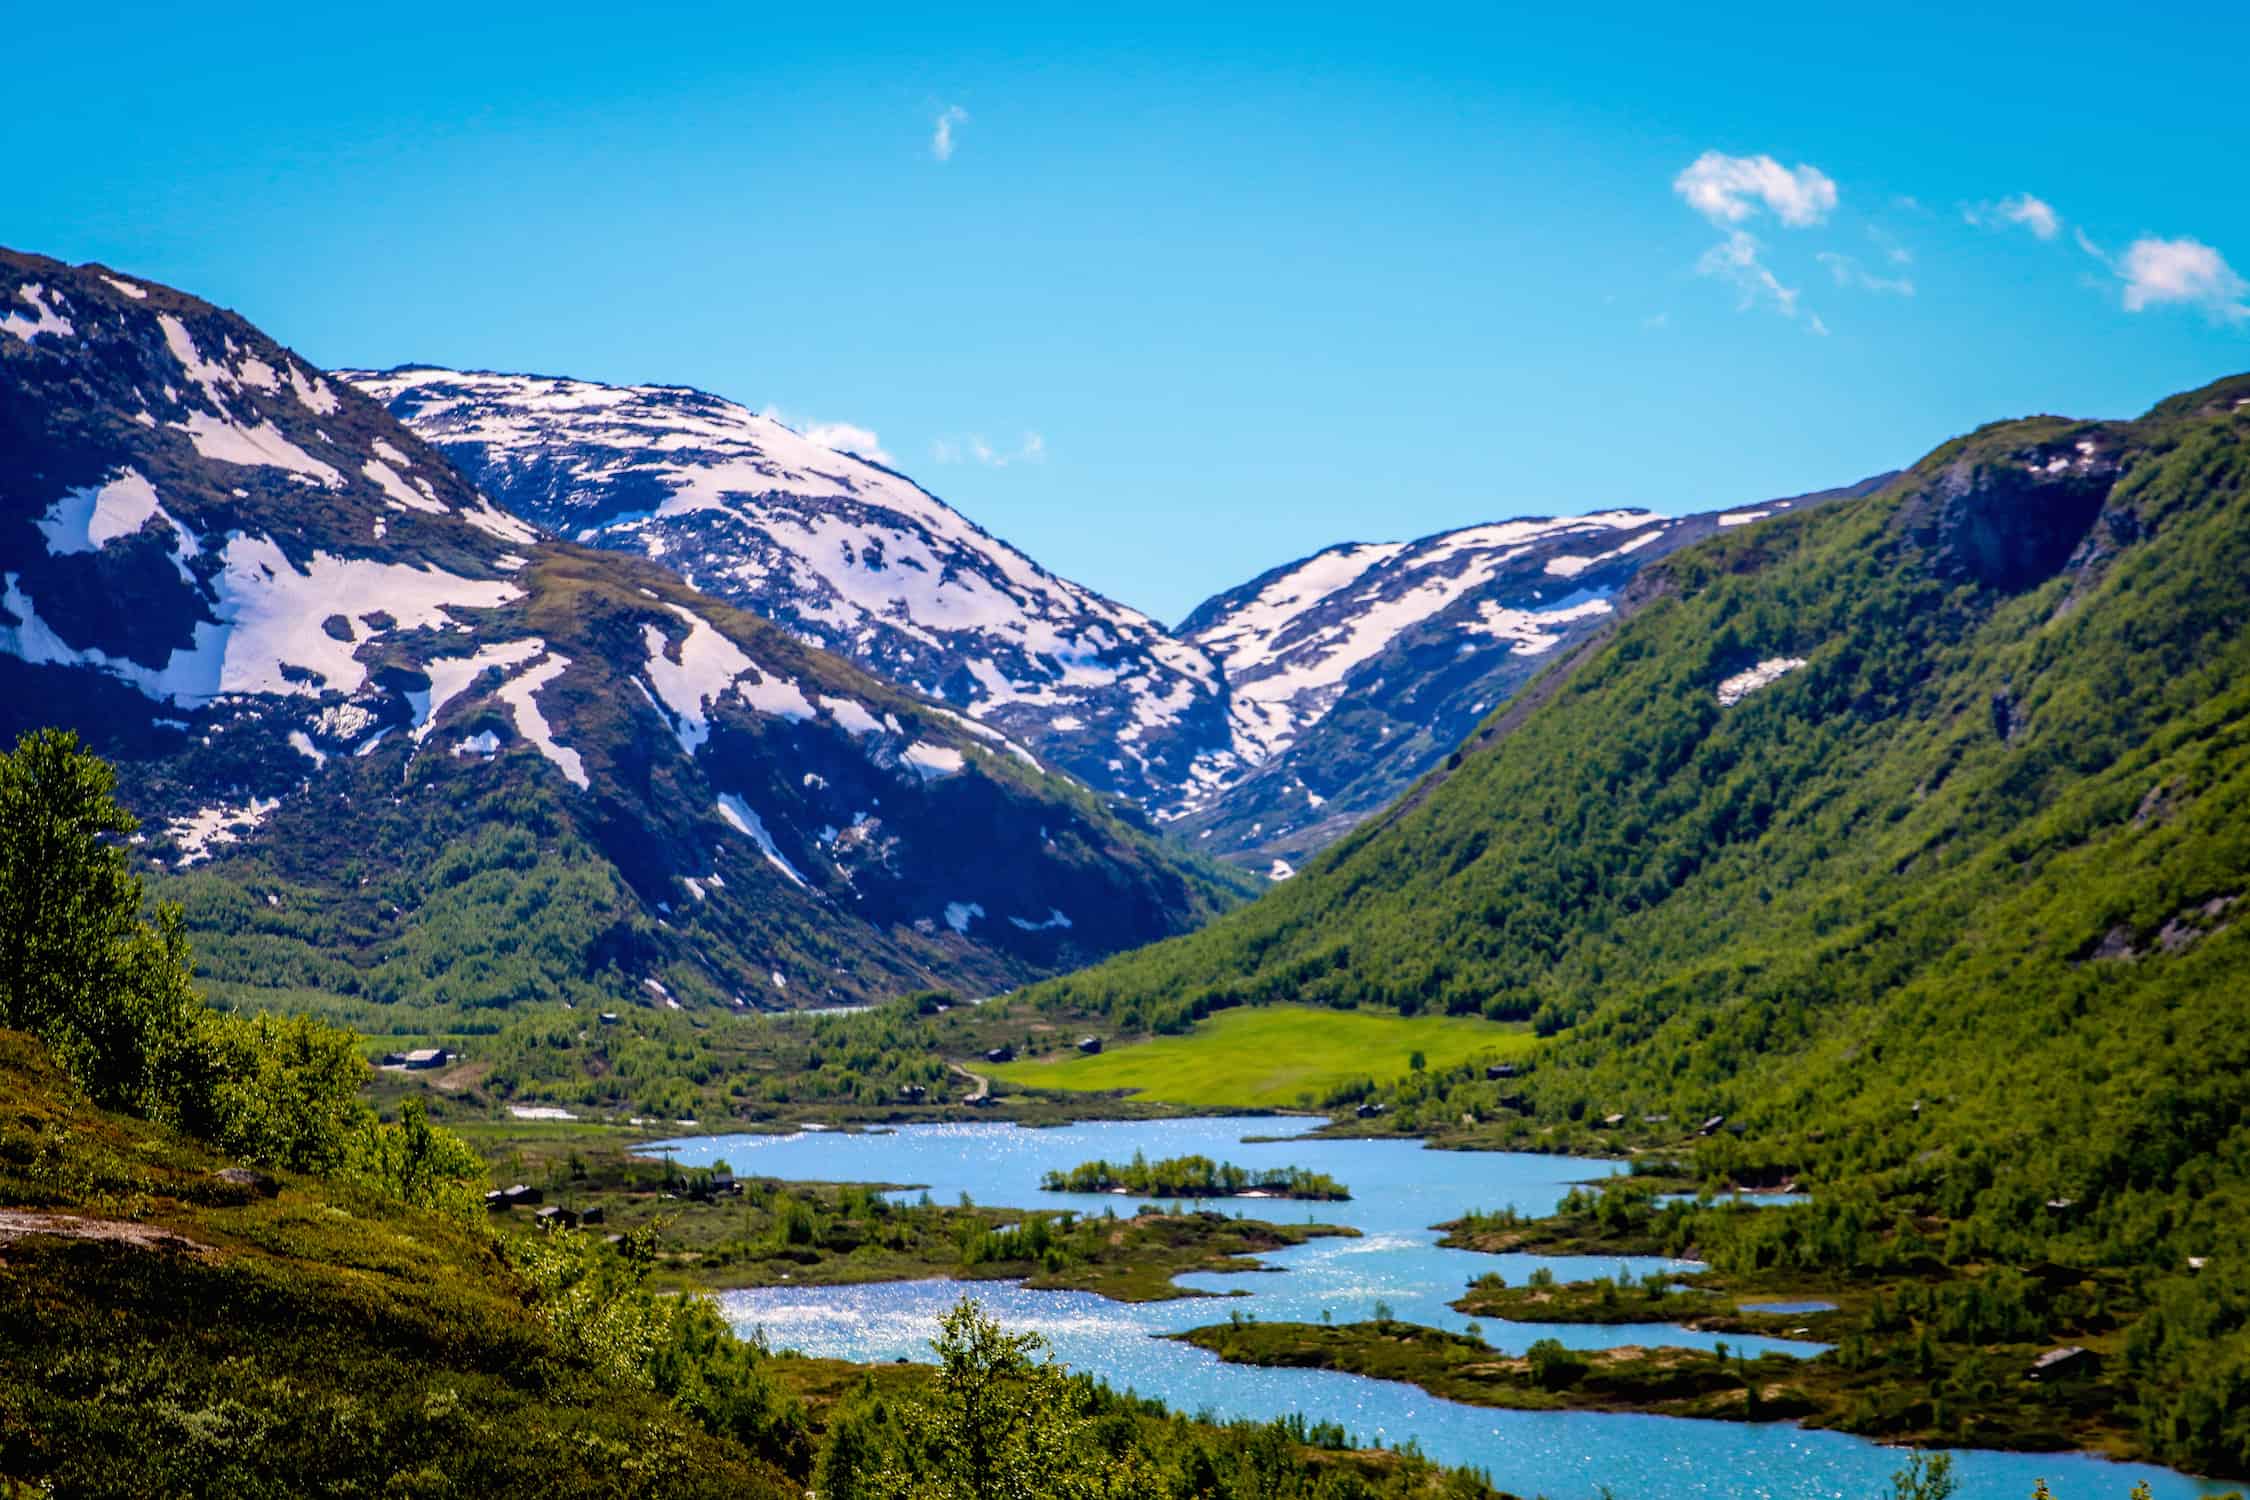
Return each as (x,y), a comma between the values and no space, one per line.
(1590,928)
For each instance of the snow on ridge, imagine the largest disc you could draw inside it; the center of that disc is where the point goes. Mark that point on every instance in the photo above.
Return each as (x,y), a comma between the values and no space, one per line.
(1533,631)
(228,441)
(89,519)
(744,820)
(1742,684)
(196,833)
(268,617)
(47,319)
(126,288)
(450,676)
(861,556)
(520,694)
(932,762)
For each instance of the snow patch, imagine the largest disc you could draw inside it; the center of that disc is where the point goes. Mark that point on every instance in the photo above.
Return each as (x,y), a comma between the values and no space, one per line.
(48,319)
(932,762)
(1742,684)
(744,820)
(959,914)
(520,695)
(199,832)
(450,676)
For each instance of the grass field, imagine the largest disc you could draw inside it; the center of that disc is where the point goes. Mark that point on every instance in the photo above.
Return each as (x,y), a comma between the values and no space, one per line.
(1273,1056)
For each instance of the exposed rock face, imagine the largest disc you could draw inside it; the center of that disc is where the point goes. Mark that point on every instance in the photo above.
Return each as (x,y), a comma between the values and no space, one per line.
(2009,520)
(324,659)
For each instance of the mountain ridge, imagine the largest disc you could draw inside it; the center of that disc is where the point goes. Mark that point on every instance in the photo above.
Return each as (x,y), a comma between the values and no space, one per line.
(343,685)
(1183,722)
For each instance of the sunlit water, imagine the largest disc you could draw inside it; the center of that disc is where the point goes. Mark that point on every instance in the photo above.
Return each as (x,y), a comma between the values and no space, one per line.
(1399,1190)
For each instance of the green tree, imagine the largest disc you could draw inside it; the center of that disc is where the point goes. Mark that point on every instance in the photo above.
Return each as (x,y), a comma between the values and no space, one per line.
(999,1422)
(106,991)
(1927,1476)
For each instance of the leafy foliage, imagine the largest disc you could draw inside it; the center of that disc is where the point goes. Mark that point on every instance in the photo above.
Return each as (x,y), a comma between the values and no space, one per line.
(1942,924)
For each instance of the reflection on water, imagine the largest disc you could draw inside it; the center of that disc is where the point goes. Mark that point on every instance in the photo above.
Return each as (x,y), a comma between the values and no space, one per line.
(1398,1191)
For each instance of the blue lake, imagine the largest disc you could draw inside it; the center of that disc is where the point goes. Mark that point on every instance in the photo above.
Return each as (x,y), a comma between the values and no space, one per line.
(1399,1189)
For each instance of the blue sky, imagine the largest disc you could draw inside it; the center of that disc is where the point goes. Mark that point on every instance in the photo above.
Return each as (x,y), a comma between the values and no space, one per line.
(1167,297)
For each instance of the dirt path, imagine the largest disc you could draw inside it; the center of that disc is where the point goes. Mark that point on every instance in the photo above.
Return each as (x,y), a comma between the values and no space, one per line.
(16,1223)
(984,1084)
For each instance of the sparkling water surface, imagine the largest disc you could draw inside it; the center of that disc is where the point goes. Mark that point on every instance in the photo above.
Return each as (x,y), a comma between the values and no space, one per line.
(1399,1190)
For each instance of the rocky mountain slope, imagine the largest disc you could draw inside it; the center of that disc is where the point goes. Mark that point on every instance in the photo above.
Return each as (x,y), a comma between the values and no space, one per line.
(1355,670)
(848,554)
(391,742)
(1274,719)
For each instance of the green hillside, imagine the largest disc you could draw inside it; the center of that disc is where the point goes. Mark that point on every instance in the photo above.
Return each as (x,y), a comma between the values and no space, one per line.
(1943,920)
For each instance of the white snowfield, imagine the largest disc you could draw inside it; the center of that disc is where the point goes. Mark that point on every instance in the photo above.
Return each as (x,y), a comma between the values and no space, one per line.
(45,317)
(1287,649)
(269,615)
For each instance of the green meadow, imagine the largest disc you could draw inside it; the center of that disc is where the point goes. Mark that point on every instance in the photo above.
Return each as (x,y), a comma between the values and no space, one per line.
(1274,1056)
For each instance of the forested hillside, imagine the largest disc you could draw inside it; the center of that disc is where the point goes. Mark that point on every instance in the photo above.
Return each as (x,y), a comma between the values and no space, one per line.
(1907,835)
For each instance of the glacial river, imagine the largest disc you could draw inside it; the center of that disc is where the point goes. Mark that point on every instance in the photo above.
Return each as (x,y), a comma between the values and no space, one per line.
(1398,1191)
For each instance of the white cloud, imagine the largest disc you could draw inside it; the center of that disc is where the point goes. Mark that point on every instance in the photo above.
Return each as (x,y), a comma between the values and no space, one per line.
(2161,272)
(1849,272)
(1730,189)
(941,139)
(844,437)
(1735,259)
(2034,214)
(974,449)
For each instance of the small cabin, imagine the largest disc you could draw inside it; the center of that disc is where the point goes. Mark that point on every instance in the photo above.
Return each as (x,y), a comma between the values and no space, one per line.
(1000,1054)
(427,1057)
(555,1216)
(609,1018)
(1089,1045)
(522,1193)
(2057,1363)
(591,1217)
(913,1093)
(981,1101)
(1613,1121)
(1493,1072)
(1711,1126)
(1369,1110)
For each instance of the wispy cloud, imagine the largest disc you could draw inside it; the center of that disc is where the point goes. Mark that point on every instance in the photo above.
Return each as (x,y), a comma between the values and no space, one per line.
(973,449)
(2182,272)
(1732,189)
(941,137)
(1849,272)
(1735,260)
(2034,214)
(843,437)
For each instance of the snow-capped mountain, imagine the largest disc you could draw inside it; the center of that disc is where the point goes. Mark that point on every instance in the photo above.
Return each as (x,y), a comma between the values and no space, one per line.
(1355,670)
(1272,720)
(334,673)
(851,555)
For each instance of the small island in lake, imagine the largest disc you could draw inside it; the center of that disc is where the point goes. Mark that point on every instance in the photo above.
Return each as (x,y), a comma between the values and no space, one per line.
(1193,1177)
